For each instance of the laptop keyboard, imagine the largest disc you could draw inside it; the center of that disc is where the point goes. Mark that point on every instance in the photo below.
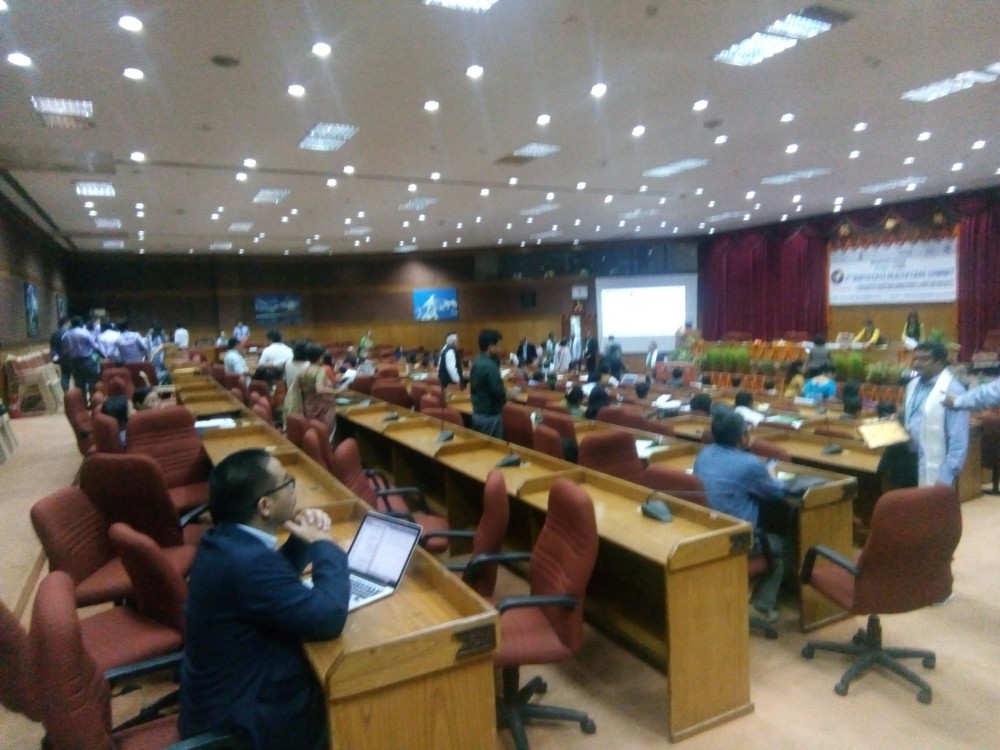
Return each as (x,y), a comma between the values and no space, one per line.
(361,589)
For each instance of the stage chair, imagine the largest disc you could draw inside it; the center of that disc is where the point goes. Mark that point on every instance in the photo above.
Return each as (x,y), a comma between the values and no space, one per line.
(168,435)
(77,711)
(904,565)
(517,427)
(547,626)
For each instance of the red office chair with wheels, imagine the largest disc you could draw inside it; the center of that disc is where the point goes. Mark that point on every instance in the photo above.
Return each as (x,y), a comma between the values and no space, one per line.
(767,449)
(517,426)
(612,452)
(105,432)
(77,706)
(363,384)
(547,626)
(393,391)
(904,565)
(549,442)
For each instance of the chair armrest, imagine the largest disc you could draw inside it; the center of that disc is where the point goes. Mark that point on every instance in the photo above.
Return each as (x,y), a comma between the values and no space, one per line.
(140,668)
(835,557)
(421,501)
(193,514)
(485,558)
(548,600)
(209,740)
(450,534)
(379,476)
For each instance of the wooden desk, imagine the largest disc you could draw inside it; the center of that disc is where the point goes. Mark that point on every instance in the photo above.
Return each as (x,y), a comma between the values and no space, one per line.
(650,582)
(414,670)
(220,443)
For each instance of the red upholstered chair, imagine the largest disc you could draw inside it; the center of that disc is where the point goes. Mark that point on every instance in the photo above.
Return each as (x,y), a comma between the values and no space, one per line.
(610,414)
(767,449)
(295,428)
(105,433)
(363,384)
(121,387)
(612,452)
(547,627)
(561,423)
(218,373)
(537,400)
(19,687)
(78,415)
(419,390)
(348,470)
(446,414)
(555,406)
(237,385)
(991,448)
(517,426)
(109,374)
(138,369)
(390,373)
(169,436)
(904,565)
(393,391)
(260,387)
(431,401)
(549,442)
(312,448)
(675,482)
(263,410)
(77,710)
(74,535)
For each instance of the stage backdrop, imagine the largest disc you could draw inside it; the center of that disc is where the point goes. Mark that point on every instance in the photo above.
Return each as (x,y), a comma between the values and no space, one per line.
(920,271)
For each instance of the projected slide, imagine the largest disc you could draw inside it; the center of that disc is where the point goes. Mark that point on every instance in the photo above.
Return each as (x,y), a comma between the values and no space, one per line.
(639,309)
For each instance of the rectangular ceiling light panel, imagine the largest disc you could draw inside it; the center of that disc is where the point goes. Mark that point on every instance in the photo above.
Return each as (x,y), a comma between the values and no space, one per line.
(471,6)
(684,165)
(271,195)
(67,114)
(537,150)
(93,189)
(328,136)
(782,35)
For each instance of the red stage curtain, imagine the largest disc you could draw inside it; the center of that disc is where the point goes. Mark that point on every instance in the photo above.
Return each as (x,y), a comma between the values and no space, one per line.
(978,271)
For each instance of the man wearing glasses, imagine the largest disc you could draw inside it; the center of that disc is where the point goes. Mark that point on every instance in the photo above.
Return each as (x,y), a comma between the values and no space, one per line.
(248,610)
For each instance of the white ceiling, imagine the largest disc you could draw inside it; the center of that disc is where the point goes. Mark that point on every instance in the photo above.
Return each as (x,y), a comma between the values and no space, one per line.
(196,122)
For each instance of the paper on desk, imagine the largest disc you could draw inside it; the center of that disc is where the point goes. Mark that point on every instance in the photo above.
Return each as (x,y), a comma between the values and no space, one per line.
(220,423)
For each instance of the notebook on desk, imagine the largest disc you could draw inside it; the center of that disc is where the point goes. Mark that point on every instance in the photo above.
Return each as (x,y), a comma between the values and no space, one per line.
(798,486)
(378,557)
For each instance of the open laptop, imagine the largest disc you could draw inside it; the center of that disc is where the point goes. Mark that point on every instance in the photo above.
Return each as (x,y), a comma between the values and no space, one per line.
(628,379)
(378,557)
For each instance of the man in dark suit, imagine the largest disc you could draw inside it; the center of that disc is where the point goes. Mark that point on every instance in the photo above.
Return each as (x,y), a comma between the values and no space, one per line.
(526,352)
(247,613)
(590,349)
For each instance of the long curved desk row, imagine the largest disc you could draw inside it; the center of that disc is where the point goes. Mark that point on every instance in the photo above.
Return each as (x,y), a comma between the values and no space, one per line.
(674,593)
(414,670)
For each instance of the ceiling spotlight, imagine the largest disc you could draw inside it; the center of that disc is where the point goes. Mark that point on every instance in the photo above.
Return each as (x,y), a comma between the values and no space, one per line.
(250,163)
(791,148)
(638,130)
(581,185)
(925,136)
(19,59)
(978,145)
(297,90)
(543,120)
(598,90)
(475,72)
(431,105)
(787,117)
(550,196)
(322,49)
(608,198)
(860,126)
(484,192)
(512,181)
(719,140)
(134,73)
(435,176)
(700,105)
(332,182)
(130,23)
(241,176)
(348,169)
(412,187)
(854,155)
(137,156)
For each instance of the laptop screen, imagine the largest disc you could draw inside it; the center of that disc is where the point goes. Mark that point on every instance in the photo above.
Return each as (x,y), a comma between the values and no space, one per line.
(382,548)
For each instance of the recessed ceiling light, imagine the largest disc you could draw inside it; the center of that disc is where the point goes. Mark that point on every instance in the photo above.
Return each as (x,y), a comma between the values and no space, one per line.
(750,195)
(621,224)
(881,187)
(597,228)
(638,130)
(512,181)
(479,219)
(271,195)
(137,156)
(676,167)
(951,189)
(88,204)
(435,176)
(19,59)
(221,246)
(348,169)
(787,117)
(957,166)
(791,148)
(711,204)
(297,90)
(215,217)
(322,49)
(91,188)
(608,198)
(241,176)
(3,6)
(348,220)
(472,6)
(91,212)
(286,252)
(134,73)
(284,219)
(108,223)
(700,105)
(543,119)
(241,226)
(860,126)
(142,250)
(327,136)
(484,192)
(598,90)
(114,244)
(190,251)
(221,209)
(720,139)
(964,80)
(412,187)
(701,225)
(854,155)
(576,222)
(978,145)
(756,207)
(911,187)
(250,163)
(332,182)
(432,106)
(581,185)
(909,160)
(746,217)
(796,198)
(784,217)
(475,72)
(838,201)
(140,214)
(699,191)
(530,220)
(643,188)
(925,136)
(798,207)
(550,196)
(130,23)
(421,217)
(663,201)
(241,251)
(361,214)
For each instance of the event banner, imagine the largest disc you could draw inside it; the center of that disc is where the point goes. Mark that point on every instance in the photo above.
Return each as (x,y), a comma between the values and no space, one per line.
(889,274)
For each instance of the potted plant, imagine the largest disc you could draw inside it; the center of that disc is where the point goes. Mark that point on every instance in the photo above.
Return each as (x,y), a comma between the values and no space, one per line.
(876,373)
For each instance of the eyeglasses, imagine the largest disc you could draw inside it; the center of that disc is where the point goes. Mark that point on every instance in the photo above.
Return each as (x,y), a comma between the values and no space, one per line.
(290,482)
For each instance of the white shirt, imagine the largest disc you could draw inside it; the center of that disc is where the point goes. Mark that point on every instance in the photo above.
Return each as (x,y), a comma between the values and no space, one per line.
(651,358)
(181,338)
(234,363)
(275,355)
(450,365)
(749,415)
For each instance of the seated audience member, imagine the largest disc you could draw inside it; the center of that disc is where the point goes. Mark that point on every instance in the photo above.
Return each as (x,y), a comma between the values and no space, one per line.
(121,409)
(676,378)
(885,409)
(769,388)
(329,369)
(794,381)
(234,362)
(642,389)
(851,388)
(737,482)
(852,407)
(574,401)
(598,399)
(600,375)
(913,331)
(818,355)
(743,405)
(537,377)
(701,403)
(146,398)
(244,671)
(821,386)
(348,371)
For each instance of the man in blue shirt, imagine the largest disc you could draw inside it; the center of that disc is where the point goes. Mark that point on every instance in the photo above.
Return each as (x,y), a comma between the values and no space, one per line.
(735,483)
(79,345)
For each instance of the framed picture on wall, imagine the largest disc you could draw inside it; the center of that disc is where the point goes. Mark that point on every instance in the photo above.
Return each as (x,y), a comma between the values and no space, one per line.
(62,307)
(31,309)
(278,309)
(435,304)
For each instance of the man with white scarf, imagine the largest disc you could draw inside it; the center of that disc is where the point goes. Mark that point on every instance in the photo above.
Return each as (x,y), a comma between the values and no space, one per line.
(939,437)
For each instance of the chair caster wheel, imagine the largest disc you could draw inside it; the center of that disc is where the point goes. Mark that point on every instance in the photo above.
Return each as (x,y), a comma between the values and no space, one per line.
(924,696)
(808,652)
(859,638)
(587,726)
(929,662)
(840,688)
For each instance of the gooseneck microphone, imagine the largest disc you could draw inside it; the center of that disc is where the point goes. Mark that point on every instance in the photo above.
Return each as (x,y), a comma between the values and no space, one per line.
(445,435)
(511,459)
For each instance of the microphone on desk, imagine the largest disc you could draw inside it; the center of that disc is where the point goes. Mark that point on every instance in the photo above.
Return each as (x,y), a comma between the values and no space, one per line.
(391,416)
(445,435)
(511,459)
